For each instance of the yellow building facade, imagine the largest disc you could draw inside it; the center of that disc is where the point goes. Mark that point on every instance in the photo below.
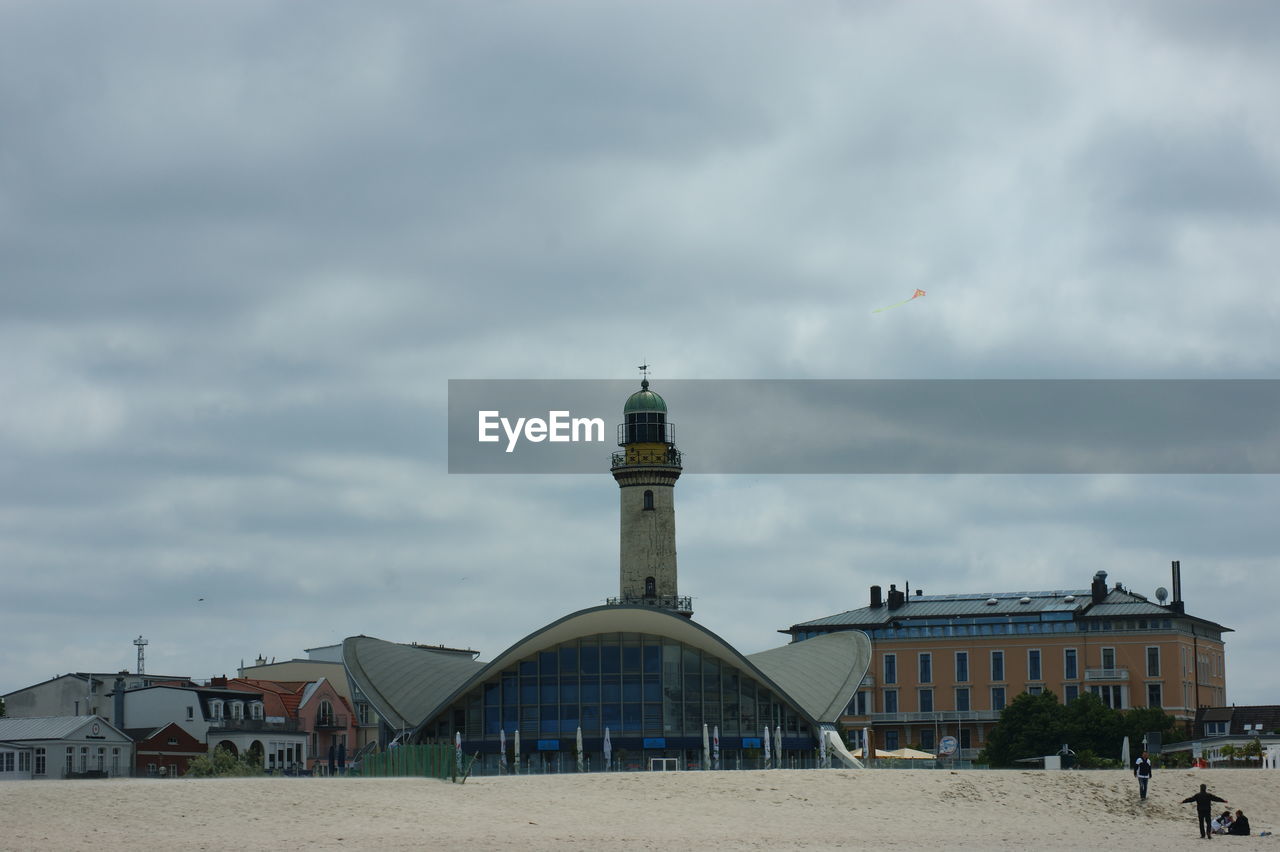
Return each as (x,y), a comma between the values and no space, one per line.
(946,665)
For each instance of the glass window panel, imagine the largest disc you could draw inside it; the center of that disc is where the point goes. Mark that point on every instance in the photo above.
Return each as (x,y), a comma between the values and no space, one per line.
(610,659)
(550,692)
(653,719)
(652,689)
(569,659)
(591,718)
(693,717)
(492,720)
(491,693)
(589,657)
(528,690)
(569,690)
(550,715)
(510,719)
(528,667)
(569,719)
(611,689)
(611,716)
(652,659)
(631,718)
(631,687)
(547,663)
(590,691)
(631,658)
(510,691)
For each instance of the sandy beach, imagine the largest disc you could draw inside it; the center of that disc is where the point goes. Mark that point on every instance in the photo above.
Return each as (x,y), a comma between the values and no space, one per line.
(785,809)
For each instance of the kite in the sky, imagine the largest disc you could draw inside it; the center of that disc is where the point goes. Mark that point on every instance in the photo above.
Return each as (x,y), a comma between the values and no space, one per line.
(916,295)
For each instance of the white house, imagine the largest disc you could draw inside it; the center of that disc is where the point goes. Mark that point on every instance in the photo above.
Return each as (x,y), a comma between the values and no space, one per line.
(63,747)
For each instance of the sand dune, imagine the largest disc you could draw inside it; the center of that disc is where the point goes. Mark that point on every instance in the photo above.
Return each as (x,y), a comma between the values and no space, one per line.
(784,809)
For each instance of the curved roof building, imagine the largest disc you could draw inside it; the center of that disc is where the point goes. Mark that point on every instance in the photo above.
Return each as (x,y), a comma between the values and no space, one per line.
(639,669)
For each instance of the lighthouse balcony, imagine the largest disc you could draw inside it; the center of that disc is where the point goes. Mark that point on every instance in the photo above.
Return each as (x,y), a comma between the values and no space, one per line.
(682,604)
(654,455)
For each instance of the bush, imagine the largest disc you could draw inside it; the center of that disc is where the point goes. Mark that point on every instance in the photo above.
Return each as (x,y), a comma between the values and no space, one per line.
(222,764)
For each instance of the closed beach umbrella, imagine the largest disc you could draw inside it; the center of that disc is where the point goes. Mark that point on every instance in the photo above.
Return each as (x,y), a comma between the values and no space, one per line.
(579,748)
(715,747)
(706,747)
(1124,755)
(766,739)
(457,748)
(608,748)
(517,750)
(502,748)
(777,745)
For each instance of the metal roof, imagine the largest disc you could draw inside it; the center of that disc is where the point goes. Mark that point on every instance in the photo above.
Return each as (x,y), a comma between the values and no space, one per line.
(49,727)
(950,606)
(403,682)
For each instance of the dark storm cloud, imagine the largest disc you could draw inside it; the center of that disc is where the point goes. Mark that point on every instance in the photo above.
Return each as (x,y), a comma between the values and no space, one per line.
(246,245)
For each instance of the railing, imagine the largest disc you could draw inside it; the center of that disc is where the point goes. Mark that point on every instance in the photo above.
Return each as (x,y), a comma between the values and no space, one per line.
(430,761)
(677,602)
(331,722)
(868,680)
(252,725)
(940,716)
(1106,674)
(668,457)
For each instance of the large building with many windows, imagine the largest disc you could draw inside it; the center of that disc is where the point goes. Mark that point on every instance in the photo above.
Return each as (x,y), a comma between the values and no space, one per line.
(637,677)
(946,665)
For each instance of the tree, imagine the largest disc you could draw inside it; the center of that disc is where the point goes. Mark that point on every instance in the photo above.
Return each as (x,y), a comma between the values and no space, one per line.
(221,764)
(1030,726)
(1136,723)
(1089,725)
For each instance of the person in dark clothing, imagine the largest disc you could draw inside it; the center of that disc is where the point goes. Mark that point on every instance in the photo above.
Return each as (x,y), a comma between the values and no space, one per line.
(1142,771)
(1240,825)
(1204,815)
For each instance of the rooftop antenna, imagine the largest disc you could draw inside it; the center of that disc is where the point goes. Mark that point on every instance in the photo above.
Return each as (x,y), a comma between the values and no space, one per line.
(142,644)
(644,374)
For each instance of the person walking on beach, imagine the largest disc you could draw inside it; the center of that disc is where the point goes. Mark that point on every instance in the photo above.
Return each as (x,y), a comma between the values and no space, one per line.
(1142,771)
(1204,815)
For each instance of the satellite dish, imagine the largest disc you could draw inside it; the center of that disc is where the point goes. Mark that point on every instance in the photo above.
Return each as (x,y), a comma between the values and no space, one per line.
(1162,594)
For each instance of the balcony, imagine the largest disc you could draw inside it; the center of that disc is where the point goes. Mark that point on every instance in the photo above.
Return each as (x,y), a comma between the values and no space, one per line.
(1106,674)
(330,722)
(666,457)
(680,603)
(253,725)
(867,681)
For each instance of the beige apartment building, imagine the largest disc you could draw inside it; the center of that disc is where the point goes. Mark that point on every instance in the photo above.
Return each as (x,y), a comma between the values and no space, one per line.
(946,665)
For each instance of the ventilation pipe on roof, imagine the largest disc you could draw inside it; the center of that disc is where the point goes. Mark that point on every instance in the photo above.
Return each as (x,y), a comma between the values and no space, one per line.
(896,598)
(876,600)
(1177,605)
(1099,587)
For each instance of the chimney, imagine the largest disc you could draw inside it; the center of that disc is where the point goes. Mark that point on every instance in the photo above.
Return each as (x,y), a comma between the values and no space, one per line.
(218,681)
(919,592)
(1177,604)
(896,598)
(876,601)
(118,704)
(1099,588)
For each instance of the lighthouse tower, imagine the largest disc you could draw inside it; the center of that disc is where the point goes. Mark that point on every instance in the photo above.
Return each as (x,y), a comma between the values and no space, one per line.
(646,470)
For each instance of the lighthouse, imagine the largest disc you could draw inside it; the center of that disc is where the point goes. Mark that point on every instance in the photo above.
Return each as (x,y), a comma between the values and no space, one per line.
(646,470)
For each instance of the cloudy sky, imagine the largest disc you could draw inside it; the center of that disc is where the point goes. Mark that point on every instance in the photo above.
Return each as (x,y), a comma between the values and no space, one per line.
(244,247)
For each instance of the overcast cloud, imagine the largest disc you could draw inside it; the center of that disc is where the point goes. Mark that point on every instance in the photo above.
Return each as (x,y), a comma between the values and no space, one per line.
(244,246)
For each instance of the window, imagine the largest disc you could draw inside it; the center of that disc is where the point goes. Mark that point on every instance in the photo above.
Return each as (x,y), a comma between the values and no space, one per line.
(1108,658)
(1153,663)
(115,761)
(40,761)
(648,501)
(890,740)
(926,668)
(1034,690)
(858,706)
(926,701)
(650,587)
(1112,695)
(215,709)
(997,698)
(255,710)
(84,758)
(237,710)
(325,714)
(24,761)
(997,666)
(926,737)
(966,738)
(891,701)
(6,761)
(962,698)
(71,756)
(1033,665)
(191,713)
(1215,729)
(1070,693)
(1070,665)
(890,668)
(1153,695)
(962,666)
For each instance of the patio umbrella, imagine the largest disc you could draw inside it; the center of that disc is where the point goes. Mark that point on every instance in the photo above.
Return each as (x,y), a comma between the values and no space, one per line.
(706,747)
(608,748)
(517,750)
(777,745)
(766,739)
(715,747)
(457,748)
(502,749)
(579,748)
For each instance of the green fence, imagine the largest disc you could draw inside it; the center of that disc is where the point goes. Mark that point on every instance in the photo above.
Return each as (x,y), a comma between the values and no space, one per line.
(424,761)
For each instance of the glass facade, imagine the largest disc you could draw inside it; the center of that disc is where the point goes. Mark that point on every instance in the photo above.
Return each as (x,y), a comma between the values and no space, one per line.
(651,692)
